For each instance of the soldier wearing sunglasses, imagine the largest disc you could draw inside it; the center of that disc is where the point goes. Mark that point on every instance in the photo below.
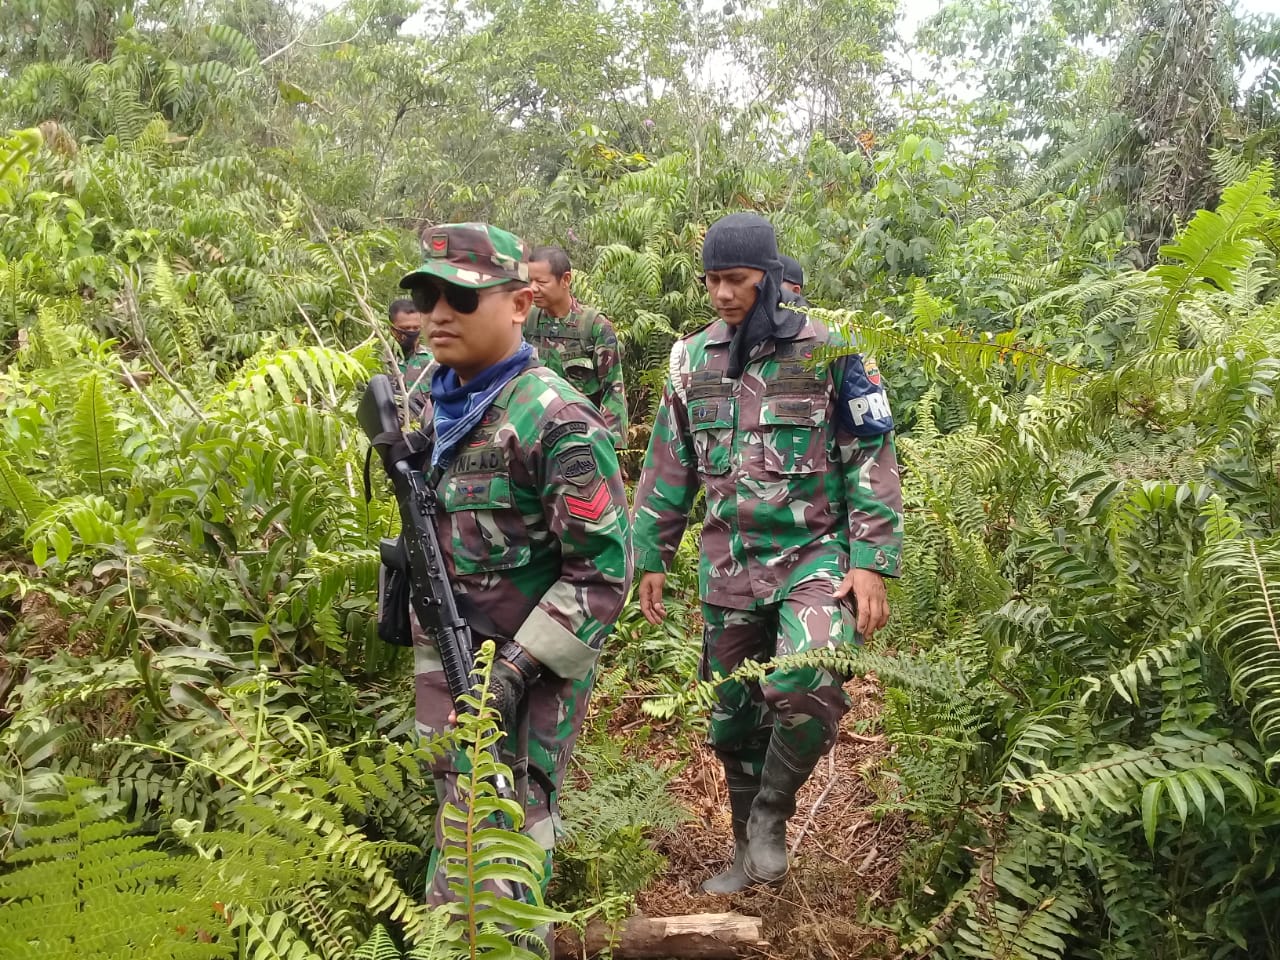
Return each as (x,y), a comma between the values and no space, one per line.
(533,517)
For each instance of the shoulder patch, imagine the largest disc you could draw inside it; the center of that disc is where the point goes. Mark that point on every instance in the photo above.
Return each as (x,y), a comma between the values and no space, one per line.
(578,465)
(567,429)
(863,407)
(590,508)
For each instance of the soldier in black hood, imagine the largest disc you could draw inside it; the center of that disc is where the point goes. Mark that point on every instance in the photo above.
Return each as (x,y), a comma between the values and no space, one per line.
(746,240)
(803,522)
(792,275)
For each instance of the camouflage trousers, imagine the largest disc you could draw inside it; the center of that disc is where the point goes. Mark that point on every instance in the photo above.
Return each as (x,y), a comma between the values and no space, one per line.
(537,753)
(801,706)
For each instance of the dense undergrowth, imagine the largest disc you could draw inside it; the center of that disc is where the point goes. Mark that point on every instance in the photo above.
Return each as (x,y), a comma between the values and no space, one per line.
(207,751)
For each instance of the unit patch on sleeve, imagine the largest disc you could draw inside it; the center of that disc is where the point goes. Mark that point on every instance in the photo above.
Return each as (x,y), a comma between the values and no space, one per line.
(562,430)
(864,406)
(578,466)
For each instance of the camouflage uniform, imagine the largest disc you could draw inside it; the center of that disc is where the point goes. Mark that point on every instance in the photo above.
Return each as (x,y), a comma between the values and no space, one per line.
(793,497)
(583,348)
(534,527)
(538,539)
(416,370)
(534,523)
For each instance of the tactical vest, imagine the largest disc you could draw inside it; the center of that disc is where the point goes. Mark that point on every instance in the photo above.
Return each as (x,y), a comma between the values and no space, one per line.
(565,345)
(788,423)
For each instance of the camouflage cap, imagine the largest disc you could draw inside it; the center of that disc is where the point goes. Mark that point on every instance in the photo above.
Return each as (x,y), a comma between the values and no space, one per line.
(473,255)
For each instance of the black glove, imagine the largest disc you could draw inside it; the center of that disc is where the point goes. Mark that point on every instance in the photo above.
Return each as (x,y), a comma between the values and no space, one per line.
(506,690)
(513,673)
(394,447)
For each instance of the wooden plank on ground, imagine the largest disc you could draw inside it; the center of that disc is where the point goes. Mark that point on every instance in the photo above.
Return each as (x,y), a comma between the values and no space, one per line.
(698,936)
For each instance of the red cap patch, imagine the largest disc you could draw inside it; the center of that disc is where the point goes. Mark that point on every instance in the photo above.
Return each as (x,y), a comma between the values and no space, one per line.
(439,244)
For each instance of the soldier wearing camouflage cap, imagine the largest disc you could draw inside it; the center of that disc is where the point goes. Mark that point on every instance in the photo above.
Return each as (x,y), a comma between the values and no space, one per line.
(533,517)
(803,512)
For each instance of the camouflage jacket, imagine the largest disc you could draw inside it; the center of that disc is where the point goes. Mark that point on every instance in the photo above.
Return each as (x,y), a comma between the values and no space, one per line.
(417,370)
(583,349)
(534,523)
(797,461)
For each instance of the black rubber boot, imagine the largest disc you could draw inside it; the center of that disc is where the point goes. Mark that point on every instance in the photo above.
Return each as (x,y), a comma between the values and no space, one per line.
(783,776)
(742,791)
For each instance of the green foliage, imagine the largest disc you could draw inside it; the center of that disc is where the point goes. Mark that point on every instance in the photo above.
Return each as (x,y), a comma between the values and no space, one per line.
(1214,246)
(92,441)
(606,858)
(74,885)
(1103,591)
(16,152)
(1081,685)
(1249,643)
(480,856)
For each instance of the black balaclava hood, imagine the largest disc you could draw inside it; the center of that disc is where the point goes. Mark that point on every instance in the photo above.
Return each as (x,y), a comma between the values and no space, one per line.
(748,240)
(792,272)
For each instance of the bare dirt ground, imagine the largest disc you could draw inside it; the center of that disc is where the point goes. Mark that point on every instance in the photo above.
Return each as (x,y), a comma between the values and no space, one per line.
(842,857)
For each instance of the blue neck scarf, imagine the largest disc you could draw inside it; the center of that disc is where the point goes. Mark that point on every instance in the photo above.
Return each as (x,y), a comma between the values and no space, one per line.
(457,408)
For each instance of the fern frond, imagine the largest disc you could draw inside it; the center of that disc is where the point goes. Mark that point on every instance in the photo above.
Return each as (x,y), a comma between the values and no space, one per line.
(379,946)
(1127,679)
(19,495)
(1248,635)
(93,439)
(1211,248)
(72,889)
(1179,766)
(288,374)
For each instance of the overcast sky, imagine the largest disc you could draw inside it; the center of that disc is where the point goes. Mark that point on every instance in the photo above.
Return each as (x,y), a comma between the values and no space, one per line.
(913,12)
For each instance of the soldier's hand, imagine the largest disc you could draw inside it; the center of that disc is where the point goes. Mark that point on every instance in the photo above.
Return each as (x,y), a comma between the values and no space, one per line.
(506,689)
(869,598)
(651,605)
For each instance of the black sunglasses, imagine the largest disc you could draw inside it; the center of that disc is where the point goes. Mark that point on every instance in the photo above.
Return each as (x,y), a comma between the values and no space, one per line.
(460,299)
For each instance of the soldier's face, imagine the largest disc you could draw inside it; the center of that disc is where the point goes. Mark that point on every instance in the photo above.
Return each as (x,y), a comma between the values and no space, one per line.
(733,292)
(470,341)
(408,321)
(406,327)
(549,291)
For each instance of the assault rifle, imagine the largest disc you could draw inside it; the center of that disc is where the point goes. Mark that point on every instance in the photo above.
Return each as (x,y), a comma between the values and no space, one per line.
(416,555)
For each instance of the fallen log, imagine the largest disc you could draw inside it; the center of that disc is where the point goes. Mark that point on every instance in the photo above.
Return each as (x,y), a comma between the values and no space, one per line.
(698,936)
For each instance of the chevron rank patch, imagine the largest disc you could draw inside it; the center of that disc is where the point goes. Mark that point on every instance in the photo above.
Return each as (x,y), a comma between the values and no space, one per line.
(590,508)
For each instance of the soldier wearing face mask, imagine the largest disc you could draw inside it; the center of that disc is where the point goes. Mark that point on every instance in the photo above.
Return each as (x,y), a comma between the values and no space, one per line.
(415,359)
